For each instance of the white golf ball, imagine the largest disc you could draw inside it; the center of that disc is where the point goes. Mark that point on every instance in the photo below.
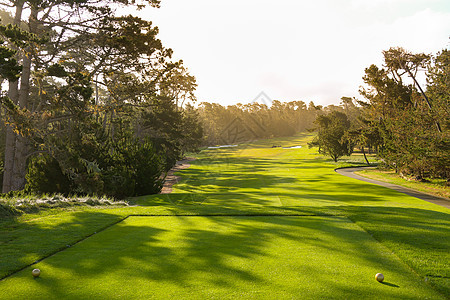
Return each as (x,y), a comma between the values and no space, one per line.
(379,277)
(36,272)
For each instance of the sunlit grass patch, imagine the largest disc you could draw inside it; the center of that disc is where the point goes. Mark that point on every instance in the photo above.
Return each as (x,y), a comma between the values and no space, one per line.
(223,189)
(436,187)
(306,257)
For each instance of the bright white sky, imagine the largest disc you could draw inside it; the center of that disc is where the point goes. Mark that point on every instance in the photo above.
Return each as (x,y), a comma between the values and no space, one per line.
(313,50)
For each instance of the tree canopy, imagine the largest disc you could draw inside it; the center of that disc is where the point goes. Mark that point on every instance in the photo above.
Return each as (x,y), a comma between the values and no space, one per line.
(332,136)
(409,123)
(93,96)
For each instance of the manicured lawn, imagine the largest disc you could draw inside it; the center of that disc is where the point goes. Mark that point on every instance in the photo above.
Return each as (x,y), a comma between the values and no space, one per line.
(223,257)
(250,222)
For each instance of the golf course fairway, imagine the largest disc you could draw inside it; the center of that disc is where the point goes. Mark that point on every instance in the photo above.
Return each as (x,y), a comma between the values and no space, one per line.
(247,222)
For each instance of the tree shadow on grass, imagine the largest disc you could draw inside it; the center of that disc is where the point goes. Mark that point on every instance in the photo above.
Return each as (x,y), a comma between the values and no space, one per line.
(249,175)
(23,243)
(250,190)
(218,175)
(218,252)
(420,237)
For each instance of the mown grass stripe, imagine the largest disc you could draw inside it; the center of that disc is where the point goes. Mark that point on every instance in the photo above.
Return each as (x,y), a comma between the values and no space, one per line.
(63,248)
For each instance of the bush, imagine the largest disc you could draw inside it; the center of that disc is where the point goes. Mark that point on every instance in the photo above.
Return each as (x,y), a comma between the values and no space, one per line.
(134,169)
(45,176)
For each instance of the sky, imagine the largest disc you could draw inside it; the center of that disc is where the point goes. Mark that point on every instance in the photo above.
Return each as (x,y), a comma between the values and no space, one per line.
(293,49)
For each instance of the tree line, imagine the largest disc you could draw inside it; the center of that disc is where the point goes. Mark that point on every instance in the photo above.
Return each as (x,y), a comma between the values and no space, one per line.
(91,100)
(93,103)
(245,122)
(406,123)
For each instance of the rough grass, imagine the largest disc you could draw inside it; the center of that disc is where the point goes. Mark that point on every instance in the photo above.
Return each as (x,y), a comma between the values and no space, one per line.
(435,187)
(279,214)
(19,204)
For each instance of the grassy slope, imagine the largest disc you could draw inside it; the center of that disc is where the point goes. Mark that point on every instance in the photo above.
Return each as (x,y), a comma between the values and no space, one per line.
(434,187)
(257,179)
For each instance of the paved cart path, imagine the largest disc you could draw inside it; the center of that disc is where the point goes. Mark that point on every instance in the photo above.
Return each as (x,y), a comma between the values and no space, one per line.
(349,172)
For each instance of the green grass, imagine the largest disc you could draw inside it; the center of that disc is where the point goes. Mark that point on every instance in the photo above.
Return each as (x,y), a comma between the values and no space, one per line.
(248,222)
(223,257)
(435,187)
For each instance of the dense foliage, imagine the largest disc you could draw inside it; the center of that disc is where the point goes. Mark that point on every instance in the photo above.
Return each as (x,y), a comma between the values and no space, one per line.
(332,138)
(94,100)
(409,125)
(405,124)
(92,103)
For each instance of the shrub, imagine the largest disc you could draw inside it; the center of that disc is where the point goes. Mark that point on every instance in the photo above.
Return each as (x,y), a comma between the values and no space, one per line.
(45,176)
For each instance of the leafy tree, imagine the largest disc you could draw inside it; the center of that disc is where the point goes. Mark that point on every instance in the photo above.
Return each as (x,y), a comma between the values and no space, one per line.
(403,118)
(45,176)
(192,131)
(350,109)
(438,87)
(52,27)
(398,59)
(9,67)
(87,79)
(332,138)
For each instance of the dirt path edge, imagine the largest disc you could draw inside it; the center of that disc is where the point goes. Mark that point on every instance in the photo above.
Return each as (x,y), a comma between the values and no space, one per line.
(171,178)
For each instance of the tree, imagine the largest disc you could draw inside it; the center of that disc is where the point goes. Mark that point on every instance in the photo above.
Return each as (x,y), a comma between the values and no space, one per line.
(438,91)
(332,136)
(84,72)
(398,59)
(403,118)
(438,87)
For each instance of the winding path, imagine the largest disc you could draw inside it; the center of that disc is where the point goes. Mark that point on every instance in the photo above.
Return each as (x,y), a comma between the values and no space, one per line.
(349,172)
(171,178)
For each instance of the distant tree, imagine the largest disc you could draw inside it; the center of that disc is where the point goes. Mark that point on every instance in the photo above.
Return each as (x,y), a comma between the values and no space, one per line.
(192,131)
(350,109)
(364,135)
(332,136)
(244,122)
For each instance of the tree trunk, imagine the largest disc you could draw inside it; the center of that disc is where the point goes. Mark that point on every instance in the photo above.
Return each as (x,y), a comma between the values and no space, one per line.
(19,166)
(10,140)
(20,158)
(10,144)
(365,157)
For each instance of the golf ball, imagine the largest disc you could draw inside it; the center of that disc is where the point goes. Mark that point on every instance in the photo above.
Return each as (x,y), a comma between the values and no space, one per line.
(36,272)
(379,277)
